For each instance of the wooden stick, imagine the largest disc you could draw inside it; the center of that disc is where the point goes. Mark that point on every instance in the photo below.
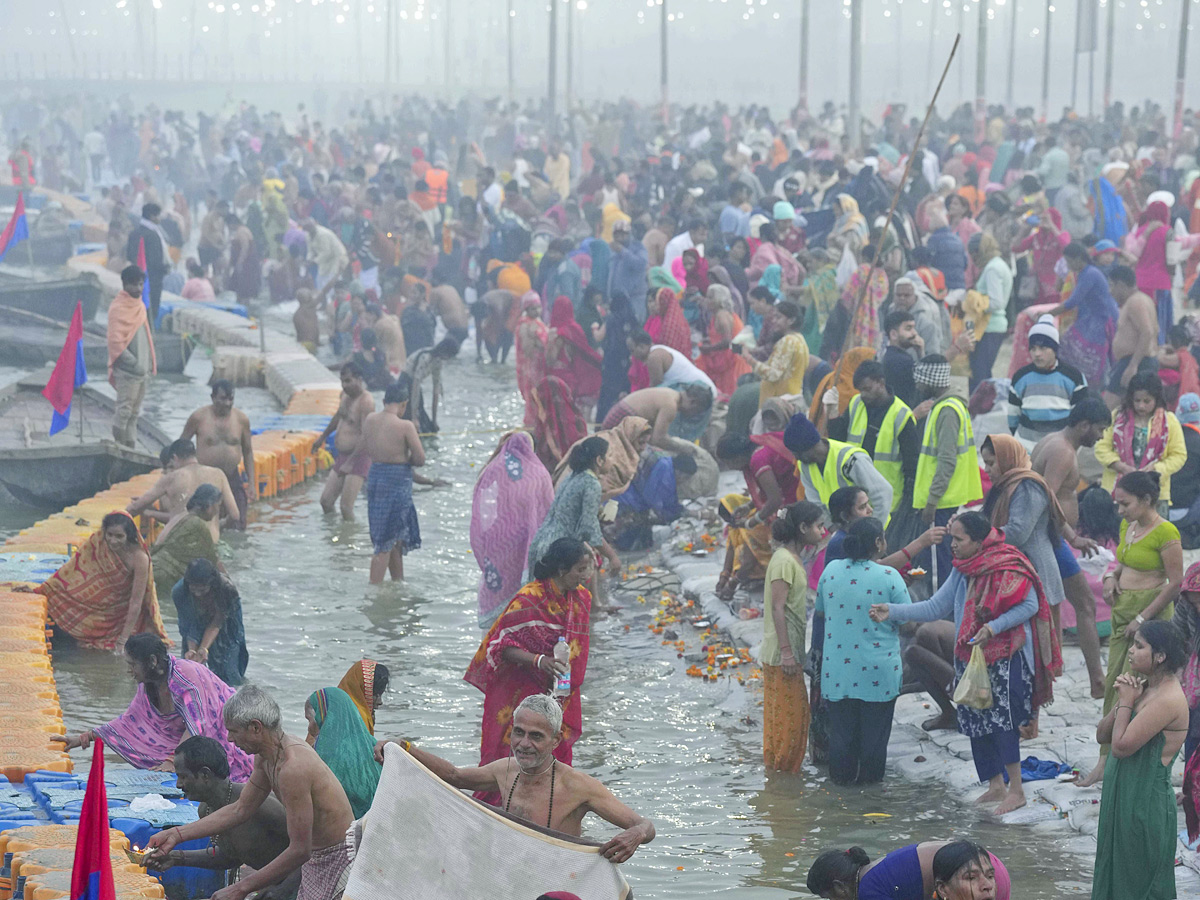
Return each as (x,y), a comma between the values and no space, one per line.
(912,155)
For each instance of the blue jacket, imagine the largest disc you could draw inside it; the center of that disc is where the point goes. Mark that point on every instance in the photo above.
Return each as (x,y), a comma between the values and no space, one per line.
(949,256)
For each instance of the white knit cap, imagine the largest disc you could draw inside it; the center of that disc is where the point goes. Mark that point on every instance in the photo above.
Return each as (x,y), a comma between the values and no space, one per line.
(1045,329)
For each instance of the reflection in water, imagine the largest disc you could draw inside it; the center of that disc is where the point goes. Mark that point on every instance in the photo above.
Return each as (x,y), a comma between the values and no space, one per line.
(687,754)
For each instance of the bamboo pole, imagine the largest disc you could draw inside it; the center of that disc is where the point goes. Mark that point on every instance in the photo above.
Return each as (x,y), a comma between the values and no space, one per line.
(912,155)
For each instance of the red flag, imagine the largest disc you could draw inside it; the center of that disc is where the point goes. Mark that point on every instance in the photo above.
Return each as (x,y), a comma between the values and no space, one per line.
(17,229)
(92,877)
(69,373)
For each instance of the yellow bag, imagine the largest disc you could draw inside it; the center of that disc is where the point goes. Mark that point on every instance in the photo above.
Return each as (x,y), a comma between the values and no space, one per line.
(974,689)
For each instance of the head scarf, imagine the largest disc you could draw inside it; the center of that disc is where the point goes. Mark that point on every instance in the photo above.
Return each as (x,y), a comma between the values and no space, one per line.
(772,280)
(658,278)
(1188,410)
(1012,459)
(841,377)
(670,327)
(1156,212)
(850,218)
(345,745)
(932,374)
(359,685)
(562,320)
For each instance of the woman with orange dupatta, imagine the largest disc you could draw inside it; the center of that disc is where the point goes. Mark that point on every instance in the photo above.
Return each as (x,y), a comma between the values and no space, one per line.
(556,424)
(366,682)
(842,378)
(106,592)
(516,657)
(998,605)
(718,359)
(532,337)
(667,324)
(571,357)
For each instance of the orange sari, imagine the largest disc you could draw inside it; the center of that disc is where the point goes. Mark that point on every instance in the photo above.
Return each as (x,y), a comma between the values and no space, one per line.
(726,366)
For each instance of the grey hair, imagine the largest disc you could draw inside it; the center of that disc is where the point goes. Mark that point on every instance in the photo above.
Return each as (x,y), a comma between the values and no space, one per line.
(545,706)
(252,704)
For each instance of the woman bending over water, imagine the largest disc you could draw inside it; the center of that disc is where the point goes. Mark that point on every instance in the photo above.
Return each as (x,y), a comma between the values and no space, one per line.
(966,872)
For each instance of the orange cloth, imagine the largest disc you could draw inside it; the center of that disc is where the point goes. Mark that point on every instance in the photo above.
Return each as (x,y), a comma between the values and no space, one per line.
(842,377)
(359,684)
(786,719)
(126,315)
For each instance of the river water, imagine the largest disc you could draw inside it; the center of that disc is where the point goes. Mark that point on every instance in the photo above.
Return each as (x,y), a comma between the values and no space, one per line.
(685,753)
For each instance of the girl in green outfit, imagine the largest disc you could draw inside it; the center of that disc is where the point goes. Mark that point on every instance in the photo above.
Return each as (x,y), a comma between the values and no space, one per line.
(1145,583)
(337,733)
(1135,840)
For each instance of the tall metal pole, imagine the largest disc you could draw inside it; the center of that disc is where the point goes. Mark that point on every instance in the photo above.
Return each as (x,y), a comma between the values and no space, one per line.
(1180,71)
(1111,30)
(1012,54)
(663,64)
(962,62)
(509,23)
(803,54)
(570,54)
(933,19)
(900,55)
(446,61)
(854,125)
(387,43)
(552,77)
(981,72)
(1046,63)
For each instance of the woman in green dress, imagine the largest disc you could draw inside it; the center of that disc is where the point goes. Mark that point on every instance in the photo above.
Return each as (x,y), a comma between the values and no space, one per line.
(186,537)
(336,731)
(1135,841)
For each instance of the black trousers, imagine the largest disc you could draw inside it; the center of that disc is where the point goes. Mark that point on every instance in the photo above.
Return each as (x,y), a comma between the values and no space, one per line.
(156,286)
(858,737)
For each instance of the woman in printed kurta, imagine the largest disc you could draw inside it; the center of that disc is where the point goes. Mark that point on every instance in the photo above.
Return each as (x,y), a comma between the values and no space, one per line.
(516,657)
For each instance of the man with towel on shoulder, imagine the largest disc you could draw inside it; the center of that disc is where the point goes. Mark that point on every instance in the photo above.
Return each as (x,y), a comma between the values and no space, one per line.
(131,359)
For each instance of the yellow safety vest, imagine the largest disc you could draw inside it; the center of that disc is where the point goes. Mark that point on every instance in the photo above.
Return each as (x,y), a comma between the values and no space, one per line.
(826,481)
(965,485)
(887,451)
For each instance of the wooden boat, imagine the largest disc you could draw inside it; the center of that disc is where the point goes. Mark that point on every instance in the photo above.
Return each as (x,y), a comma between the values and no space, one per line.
(55,471)
(30,340)
(53,297)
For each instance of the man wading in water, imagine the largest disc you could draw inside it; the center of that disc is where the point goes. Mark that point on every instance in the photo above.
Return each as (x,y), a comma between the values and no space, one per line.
(222,436)
(353,464)
(537,787)
(318,813)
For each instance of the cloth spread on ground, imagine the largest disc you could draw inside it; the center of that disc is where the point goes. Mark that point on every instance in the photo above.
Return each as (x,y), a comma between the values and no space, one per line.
(467,850)
(391,515)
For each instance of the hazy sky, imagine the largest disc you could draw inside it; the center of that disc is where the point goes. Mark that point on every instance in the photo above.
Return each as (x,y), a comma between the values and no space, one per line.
(735,50)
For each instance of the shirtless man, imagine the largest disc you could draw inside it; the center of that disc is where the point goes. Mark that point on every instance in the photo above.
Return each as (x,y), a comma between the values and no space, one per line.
(222,436)
(662,361)
(352,465)
(391,442)
(315,805)
(175,487)
(1055,458)
(202,768)
(659,406)
(1135,345)
(531,778)
(390,336)
(452,311)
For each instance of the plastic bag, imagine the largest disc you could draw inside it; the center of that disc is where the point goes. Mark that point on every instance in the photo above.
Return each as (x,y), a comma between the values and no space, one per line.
(974,689)
(847,266)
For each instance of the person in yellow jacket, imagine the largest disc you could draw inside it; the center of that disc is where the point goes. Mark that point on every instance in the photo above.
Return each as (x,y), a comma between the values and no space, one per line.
(883,425)
(948,468)
(826,465)
(1144,436)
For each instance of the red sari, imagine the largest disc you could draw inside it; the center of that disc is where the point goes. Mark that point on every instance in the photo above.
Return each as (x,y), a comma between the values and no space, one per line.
(724,367)
(533,621)
(556,422)
(578,363)
(670,327)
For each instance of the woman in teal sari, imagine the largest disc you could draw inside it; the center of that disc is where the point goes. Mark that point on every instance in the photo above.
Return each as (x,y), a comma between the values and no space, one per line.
(337,733)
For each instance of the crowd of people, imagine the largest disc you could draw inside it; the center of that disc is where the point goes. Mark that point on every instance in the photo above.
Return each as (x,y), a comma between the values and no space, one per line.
(725,289)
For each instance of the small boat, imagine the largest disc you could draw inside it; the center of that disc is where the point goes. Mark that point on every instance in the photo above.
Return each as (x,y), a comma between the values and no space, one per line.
(30,341)
(53,297)
(81,460)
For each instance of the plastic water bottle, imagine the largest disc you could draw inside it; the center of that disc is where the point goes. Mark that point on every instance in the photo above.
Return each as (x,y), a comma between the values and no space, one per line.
(562,654)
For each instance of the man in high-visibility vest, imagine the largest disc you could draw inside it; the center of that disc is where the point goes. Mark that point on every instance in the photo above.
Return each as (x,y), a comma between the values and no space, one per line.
(948,468)
(827,465)
(883,425)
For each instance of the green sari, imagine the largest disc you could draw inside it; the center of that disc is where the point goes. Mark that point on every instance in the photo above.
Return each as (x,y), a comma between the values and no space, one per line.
(821,295)
(346,746)
(189,539)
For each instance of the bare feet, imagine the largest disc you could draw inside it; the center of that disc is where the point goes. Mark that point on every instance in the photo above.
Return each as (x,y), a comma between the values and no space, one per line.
(1093,777)
(1030,729)
(1011,802)
(1097,688)
(945,721)
(991,795)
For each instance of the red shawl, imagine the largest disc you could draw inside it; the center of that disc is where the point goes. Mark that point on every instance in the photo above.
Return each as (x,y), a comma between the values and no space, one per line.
(669,327)
(999,577)
(1191,796)
(556,423)
(533,621)
(578,366)
(1156,441)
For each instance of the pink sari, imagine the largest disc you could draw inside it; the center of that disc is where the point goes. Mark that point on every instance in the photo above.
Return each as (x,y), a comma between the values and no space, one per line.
(145,738)
(511,498)
(864,326)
